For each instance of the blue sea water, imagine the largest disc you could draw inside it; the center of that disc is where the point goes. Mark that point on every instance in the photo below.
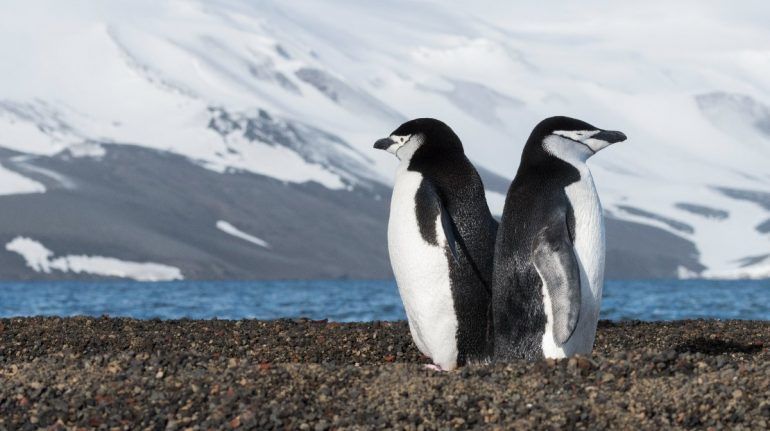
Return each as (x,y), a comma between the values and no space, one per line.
(352,300)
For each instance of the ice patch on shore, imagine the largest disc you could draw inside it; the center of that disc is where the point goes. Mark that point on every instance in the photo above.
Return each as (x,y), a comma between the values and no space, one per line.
(758,269)
(40,259)
(684,273)
(234,231)
(754,272)
(35,254)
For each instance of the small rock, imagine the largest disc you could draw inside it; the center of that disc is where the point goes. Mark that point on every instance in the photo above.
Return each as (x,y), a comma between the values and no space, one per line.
(235,422)
(608,377)
(584,363)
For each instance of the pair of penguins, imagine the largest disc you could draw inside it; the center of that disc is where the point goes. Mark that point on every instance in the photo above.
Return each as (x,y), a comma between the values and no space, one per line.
(476,291)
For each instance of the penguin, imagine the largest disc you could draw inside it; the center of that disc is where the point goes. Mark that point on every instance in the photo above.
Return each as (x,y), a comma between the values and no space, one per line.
(441,238)
(550,248)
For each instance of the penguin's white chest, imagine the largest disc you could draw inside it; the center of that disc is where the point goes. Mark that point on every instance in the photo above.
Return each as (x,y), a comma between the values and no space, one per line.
(422,273)
(589,247)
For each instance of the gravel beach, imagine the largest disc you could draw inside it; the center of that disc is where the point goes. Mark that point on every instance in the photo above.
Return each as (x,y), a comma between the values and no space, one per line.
(110,373)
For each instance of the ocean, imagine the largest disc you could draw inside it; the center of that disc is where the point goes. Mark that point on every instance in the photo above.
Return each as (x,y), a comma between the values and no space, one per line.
(348,301)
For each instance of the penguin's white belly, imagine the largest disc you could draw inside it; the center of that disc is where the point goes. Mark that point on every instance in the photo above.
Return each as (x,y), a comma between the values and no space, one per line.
(589,249)
(422,274)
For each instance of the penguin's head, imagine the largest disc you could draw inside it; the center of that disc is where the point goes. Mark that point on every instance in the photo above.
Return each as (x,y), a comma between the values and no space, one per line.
(570,139)
(421,137)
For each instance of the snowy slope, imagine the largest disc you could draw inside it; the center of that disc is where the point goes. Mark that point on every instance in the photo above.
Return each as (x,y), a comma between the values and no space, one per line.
(298,91)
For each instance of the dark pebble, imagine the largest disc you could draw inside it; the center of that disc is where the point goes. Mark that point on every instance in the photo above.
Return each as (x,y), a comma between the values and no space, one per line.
(62,373)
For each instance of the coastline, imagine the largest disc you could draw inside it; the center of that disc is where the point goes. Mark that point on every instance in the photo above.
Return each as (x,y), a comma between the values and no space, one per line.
(304,374)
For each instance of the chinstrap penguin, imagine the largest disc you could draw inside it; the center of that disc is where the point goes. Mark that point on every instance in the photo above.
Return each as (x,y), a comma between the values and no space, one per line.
(550,250)
(441,238)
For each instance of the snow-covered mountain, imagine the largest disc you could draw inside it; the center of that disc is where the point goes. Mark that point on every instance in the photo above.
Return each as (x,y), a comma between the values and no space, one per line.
(134,131)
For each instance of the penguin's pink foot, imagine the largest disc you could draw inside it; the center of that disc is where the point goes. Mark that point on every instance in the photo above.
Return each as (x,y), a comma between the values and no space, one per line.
(433,367)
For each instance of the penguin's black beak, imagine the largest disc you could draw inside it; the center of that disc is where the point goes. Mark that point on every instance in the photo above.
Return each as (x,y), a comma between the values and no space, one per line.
(610,136)
(383,143)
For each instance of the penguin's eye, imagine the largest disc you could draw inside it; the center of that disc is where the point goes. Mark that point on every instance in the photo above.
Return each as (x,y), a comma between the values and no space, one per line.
(401,139)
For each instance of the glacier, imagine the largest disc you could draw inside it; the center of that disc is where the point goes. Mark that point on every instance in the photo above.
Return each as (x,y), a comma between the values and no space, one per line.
(297,92)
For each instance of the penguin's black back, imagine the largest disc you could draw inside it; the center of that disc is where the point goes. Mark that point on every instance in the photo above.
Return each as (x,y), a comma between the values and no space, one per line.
(449,174)
(536,195)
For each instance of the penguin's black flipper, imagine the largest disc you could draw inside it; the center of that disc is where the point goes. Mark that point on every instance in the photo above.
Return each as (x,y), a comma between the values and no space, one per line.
(557,265)
(449,231)
(429,206)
